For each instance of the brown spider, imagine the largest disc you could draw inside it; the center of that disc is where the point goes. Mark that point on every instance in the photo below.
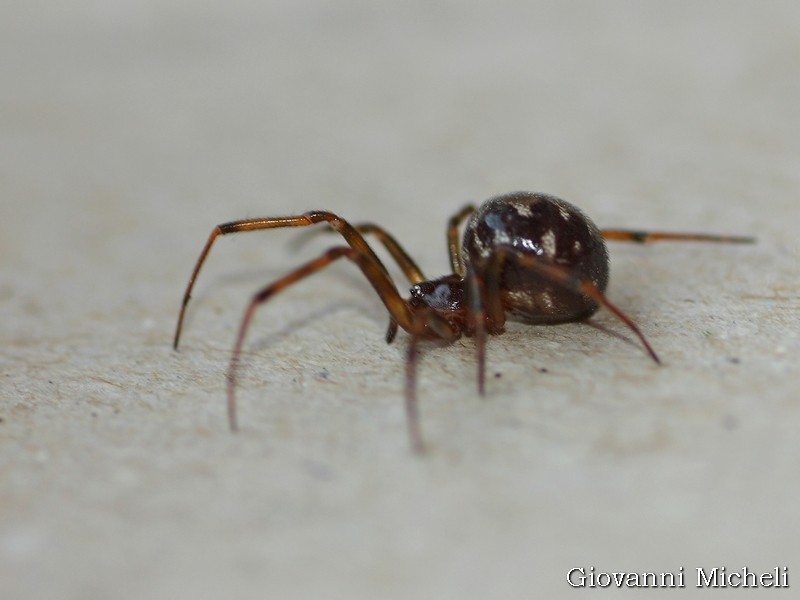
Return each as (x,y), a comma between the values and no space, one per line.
(528,256)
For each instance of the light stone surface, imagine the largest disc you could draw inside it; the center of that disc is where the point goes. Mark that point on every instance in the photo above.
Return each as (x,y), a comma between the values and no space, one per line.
(129,129)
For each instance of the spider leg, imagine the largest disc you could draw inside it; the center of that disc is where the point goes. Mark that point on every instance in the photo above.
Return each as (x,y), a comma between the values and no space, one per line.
(381,282)
(424,322)
(453,243)
(391,331)
(476,322)
(558,275)
(407,265)
(410,269)
(348,232)
(412,412)
(643,237)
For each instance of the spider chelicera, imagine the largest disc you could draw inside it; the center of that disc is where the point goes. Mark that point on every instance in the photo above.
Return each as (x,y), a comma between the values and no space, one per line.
(527,256)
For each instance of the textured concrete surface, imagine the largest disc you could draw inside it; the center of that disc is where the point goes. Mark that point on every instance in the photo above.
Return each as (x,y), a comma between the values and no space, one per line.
(129,129)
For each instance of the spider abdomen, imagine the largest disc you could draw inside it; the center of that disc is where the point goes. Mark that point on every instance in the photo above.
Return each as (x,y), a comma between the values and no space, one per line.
(539,227)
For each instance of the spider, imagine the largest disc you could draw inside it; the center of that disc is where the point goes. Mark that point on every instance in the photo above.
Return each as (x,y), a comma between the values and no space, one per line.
(528,256)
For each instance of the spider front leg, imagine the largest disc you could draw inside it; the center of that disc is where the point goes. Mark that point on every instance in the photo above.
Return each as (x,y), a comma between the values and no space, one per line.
(381,282)
(407,265)
(348,232)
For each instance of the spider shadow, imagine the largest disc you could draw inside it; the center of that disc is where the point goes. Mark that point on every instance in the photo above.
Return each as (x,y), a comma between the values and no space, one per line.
(608,331)
(204,295)
(305,236)
(292,328)
(362,294)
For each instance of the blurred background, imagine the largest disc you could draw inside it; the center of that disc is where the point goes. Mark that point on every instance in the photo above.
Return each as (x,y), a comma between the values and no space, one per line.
(129,129)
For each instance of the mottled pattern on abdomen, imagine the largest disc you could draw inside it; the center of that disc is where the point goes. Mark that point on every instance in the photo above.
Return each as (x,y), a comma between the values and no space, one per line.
(545,228)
